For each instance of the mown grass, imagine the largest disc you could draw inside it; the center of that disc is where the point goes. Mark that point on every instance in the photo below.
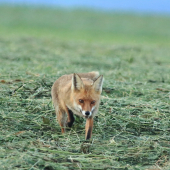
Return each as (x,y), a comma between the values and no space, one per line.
(132,128)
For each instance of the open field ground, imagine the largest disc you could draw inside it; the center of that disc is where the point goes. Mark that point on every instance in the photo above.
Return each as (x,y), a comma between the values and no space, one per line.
(132,129)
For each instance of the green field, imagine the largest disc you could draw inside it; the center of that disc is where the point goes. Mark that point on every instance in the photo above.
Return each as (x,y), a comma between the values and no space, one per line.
(132,129)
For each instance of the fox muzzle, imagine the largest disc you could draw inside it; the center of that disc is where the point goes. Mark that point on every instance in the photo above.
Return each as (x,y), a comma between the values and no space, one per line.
(87,113)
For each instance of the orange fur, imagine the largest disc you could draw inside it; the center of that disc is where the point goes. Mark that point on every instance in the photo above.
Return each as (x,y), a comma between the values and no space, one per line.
(77,94)
(89,128)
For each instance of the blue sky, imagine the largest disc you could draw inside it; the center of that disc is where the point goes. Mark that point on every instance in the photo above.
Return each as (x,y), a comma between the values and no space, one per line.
(149,6)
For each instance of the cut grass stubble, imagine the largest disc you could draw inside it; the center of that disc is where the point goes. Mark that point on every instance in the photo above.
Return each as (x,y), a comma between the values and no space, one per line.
(131,130)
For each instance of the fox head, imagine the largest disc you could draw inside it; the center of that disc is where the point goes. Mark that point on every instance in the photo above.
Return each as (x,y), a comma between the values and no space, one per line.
(86,94)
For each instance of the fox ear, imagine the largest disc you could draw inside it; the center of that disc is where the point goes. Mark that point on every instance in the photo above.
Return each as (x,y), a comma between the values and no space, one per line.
(77,83)
(98,84)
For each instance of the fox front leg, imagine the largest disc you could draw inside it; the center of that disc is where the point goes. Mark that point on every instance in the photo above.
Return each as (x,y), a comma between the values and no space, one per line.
(62,119)
(89,128)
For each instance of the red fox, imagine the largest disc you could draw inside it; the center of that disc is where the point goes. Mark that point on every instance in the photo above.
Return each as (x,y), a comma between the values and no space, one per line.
(77,94)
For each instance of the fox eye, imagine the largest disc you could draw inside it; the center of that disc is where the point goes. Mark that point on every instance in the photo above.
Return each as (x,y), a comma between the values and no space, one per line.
(93,102)
(81,101)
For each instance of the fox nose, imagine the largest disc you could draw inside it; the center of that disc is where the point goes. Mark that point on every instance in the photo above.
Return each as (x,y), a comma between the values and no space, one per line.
(87,113)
